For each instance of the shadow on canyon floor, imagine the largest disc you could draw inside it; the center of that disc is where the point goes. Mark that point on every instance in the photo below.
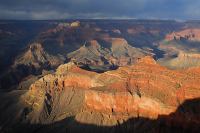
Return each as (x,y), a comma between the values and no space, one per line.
(185,119)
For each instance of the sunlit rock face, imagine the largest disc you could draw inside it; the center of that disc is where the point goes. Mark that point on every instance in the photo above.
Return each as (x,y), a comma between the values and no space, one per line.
(75,24)
(99,76)
(145,90)
(31,47)
(181,49)
(115,51)
(192,34)
(75,99)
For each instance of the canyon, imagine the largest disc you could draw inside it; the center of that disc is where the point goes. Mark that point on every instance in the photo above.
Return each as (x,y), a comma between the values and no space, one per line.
(99,76)
(144,90)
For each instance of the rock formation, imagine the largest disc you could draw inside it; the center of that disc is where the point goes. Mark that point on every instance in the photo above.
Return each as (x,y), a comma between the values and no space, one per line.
(181,49)
(191,34)
(31,47)
(75,24)
(37,57)
(131,92)
(115,51)
(144,90)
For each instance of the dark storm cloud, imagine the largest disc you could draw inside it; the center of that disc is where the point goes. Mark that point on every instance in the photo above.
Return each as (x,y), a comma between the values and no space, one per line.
(61,9)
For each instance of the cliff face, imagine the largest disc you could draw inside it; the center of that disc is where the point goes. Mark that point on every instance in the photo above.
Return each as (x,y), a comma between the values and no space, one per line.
(144,97)
(181,49)
(182,61)
(33,61)
(143,90)
(191,34)
(115,51)
(37,57)
(141,97)
(32,47)
(81,42)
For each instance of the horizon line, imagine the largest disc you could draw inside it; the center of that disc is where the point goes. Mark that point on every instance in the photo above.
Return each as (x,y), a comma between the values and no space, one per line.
(140,19)
(100,19)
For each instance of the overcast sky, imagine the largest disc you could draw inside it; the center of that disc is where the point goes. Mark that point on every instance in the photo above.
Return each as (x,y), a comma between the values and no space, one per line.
(63,9)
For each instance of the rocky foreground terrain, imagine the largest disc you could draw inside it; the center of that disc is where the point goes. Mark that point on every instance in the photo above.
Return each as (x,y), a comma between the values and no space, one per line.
(144,97)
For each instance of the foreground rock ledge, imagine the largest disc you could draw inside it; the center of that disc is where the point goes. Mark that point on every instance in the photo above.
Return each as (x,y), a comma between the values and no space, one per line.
(145,90)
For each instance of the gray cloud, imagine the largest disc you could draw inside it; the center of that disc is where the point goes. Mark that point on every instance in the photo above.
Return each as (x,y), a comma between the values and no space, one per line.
(62,9)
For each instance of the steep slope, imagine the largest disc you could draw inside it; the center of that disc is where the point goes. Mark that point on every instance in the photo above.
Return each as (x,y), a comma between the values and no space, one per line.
(121,42)
(191,34)
(61,42)
(182,61)
(145,90)
(32,62)
(36,56)
(113,51)
(90,53)
(15,36)
(181,49)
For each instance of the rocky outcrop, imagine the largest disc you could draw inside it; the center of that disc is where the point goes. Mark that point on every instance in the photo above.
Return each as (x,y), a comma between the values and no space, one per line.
(182,61)
(114,51)
(37,57)
(33,61)
(143,90)
(190,34)
(119,43)
(141,97)
(62,27)
(75,24)
(181,49)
